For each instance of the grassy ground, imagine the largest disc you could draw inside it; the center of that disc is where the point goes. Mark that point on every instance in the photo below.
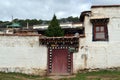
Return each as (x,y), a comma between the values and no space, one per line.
(100,75)
(19,76)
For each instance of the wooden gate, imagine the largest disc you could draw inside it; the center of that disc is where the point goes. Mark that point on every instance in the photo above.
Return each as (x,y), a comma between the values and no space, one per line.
(60,54)
(60,61)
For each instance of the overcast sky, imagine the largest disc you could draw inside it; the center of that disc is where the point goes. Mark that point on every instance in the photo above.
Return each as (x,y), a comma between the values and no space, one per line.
(44,9)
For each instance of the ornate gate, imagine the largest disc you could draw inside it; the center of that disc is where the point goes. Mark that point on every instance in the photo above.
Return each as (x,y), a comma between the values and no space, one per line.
(60,61)
(60,54)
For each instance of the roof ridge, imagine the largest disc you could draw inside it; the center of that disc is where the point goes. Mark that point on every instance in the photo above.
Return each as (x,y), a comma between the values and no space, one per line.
(96,6)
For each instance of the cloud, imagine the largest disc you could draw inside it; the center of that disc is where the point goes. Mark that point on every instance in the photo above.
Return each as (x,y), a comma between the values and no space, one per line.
(45,9)
(41,9)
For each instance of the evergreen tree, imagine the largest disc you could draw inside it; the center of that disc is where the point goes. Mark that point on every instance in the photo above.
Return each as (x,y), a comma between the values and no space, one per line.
(54,29)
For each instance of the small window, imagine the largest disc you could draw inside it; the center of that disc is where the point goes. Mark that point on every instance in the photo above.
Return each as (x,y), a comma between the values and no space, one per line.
(100,33)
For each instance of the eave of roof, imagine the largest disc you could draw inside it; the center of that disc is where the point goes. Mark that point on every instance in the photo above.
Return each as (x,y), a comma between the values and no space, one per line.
(15,25)
(83,14)
(97,6)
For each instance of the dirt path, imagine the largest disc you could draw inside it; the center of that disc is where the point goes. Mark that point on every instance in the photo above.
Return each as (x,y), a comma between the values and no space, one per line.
(60,77)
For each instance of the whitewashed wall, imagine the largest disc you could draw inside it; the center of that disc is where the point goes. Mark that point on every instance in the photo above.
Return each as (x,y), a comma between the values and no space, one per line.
(100,54)
(22,54)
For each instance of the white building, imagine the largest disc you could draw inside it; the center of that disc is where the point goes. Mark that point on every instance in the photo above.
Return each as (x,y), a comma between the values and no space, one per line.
(62,25)
(102,40)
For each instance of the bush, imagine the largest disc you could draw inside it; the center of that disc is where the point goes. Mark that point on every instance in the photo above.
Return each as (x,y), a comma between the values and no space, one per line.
(54,29)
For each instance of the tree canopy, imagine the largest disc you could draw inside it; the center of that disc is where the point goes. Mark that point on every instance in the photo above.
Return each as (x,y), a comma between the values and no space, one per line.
(54,29)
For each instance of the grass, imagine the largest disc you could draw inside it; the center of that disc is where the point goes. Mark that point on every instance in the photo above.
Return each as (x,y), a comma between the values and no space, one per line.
(20,76)
(99,75)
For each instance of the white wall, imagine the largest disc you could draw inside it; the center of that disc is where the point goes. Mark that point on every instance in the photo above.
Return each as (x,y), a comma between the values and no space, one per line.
(100,54)
(22,54)
(108,11)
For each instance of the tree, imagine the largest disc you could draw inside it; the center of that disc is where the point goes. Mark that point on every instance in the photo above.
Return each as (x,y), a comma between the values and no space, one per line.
(54,29)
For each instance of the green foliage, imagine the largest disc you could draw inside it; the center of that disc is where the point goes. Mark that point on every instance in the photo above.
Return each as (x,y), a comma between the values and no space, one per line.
(69,19)
(32,22)
(54,29)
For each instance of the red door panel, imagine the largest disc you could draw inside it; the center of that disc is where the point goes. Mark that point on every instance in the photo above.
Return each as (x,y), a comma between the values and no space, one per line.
(59,60)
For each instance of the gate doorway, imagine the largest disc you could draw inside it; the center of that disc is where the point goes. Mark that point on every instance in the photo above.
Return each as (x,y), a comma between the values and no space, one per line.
(60,61)
(60,54)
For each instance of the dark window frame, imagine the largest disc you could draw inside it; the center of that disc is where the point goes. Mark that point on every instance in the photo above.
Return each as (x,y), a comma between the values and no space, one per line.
(105,31)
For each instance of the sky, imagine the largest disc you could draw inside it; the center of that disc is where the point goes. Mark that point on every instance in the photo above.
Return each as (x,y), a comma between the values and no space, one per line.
(45,9)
